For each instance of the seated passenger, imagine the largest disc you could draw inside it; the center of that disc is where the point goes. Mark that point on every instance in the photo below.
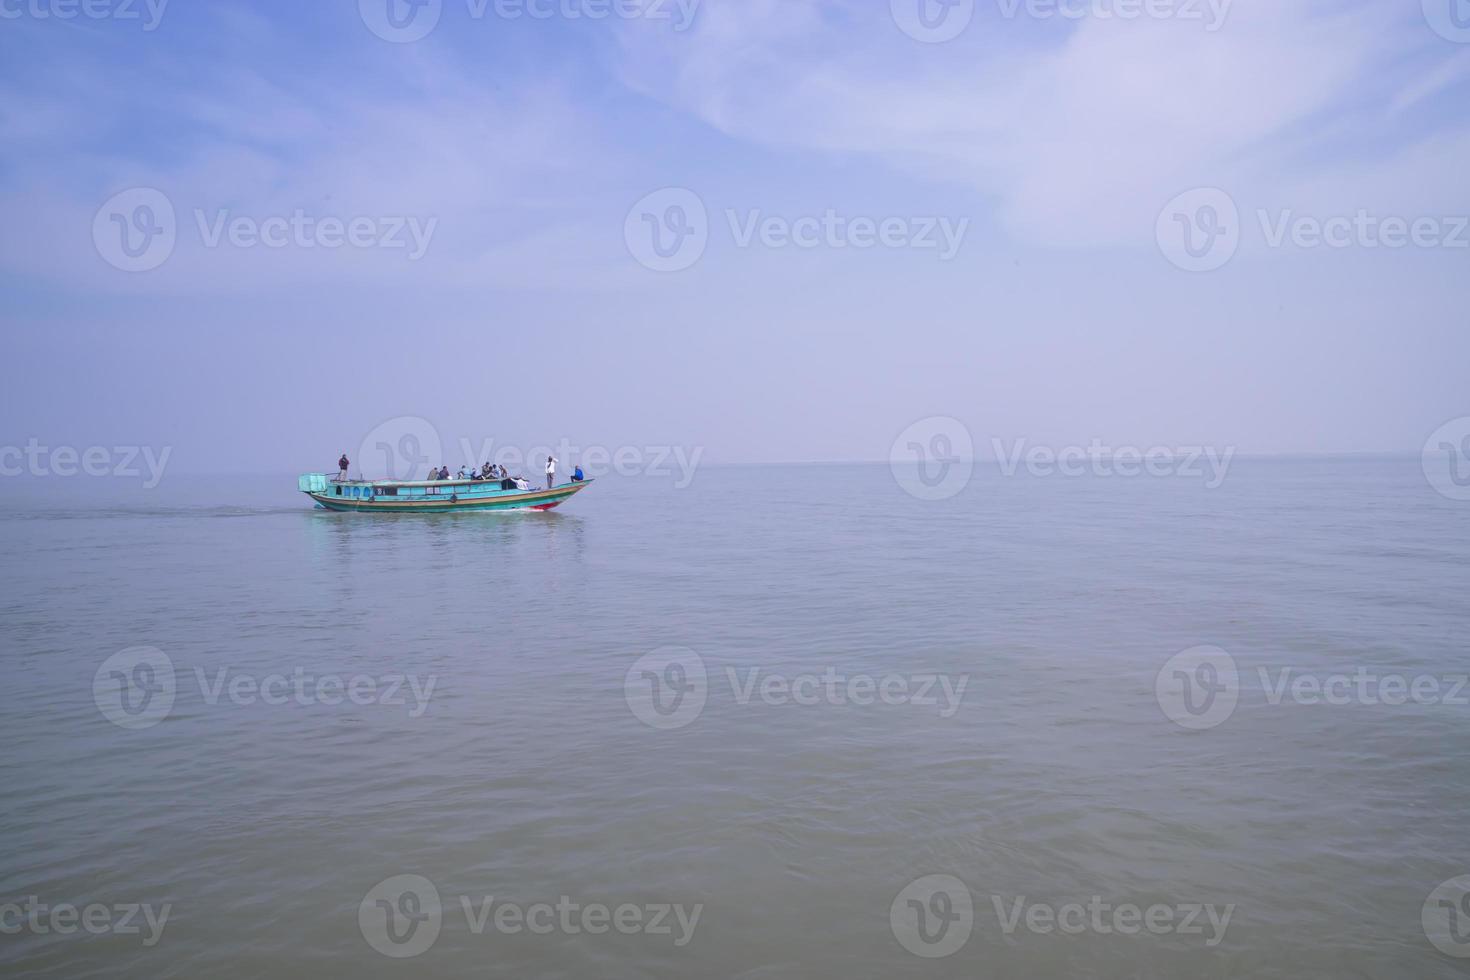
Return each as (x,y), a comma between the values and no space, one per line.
(577,476)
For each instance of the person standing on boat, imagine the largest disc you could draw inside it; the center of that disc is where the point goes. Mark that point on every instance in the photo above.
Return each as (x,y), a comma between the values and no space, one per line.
(550,472)
(342,465)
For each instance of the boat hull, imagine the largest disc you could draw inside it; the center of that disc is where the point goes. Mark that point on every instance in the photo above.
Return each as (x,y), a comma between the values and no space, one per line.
(500,500)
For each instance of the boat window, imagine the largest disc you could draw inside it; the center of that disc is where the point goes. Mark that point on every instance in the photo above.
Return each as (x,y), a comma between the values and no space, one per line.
(339,491)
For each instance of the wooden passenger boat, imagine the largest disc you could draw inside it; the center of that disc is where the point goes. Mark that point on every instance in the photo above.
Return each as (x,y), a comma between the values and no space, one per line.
(430,496)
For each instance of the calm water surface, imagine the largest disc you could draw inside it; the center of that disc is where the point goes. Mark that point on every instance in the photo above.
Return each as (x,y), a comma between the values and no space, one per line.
(539,766)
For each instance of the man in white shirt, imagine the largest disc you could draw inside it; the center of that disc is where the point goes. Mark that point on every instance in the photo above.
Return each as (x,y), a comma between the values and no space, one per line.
(550,472)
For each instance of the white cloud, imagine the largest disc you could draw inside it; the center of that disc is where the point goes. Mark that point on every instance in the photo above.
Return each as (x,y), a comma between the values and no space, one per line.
(442,147)
(1080,131)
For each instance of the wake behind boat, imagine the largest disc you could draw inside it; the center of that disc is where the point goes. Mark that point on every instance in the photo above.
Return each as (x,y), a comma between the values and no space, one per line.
(431,496)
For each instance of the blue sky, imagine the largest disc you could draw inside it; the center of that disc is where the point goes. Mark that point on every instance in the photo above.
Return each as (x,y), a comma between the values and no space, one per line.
(1057,144)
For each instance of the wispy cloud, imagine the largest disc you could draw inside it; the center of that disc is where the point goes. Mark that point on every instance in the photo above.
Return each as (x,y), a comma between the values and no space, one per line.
(1079,130)
(426,140)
